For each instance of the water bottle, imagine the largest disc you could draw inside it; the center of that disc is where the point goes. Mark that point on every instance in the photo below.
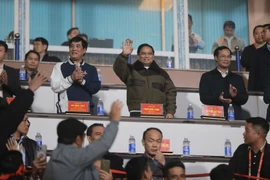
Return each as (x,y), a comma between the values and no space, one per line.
(22,73)
(230,113)
(228,148)
(99,75)
(169,62)
(131,145)
(186,147)
(190,112)
(38,139)
(100,108)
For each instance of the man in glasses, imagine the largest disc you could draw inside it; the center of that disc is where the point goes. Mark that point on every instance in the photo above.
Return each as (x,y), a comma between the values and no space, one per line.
(146,82)
(222,87)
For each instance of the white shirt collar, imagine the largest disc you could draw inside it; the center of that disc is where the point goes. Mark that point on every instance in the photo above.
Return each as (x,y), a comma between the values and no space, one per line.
(223,74)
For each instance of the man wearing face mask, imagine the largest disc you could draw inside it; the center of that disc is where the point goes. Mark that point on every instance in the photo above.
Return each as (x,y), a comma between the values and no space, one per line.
(146,82)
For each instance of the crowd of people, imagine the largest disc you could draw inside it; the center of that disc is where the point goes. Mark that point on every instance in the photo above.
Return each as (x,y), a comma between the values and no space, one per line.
(75,80)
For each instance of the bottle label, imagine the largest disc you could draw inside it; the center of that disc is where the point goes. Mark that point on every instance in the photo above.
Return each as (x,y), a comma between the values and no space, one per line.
(100,111)
(132,148)
(190,115)
(39,143)
(230,115)
(100,78)
(22,76)
(228,151)
(186,150)
(169,64)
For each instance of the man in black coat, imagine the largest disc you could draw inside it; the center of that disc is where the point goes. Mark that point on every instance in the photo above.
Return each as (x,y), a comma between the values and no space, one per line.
(12,115)
(9,77)
(255,151)
(260,67)
(20,141)
(222,87)
(41,46)
(249,53)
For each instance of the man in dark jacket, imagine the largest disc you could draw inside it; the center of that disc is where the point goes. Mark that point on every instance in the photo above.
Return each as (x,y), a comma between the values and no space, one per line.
(41,46)
(259,68)
(255,151)
(27,146)
(222,87)
(12,115)
(146,82)
(249,53)
(9,77)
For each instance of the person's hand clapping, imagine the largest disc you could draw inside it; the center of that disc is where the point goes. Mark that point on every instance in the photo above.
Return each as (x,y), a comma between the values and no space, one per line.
(37,81)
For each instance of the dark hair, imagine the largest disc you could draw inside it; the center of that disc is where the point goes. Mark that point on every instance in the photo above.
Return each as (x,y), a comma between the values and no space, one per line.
(190,17)
(79,39)
(31,51)
(221,172)
(254,29)
(83,35)
(216,52)
(267,25)
(43,41)
(90,128)
(68,141)
(143,45)
(71,29)
(4,44)
(172,164)
(10,162)
(135,168)
(229,24)
(149,129)
(259,122)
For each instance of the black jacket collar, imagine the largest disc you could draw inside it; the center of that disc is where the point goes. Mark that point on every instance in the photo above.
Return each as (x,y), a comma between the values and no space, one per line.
(139,66)
(215,71)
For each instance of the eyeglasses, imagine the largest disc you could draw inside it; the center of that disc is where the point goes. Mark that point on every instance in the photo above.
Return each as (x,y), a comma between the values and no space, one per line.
(146,53)
(223,57)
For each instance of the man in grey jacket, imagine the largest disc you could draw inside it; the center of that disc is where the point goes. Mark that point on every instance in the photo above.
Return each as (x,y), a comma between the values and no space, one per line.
(69,160)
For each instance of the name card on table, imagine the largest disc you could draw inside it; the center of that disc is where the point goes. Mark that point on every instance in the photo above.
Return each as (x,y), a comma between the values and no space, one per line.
(148,110)
(213,112)
(78,106)
(165,145)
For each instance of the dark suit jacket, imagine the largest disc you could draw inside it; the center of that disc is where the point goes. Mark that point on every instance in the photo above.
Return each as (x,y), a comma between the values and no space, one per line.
(212,84)
(12,115)
(266,95)
(13,86)
(30,147)
(248,55)
(259,69)
(47,58)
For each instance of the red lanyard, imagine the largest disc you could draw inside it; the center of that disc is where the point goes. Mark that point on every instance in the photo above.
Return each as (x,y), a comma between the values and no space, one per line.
(260,163)
(225,42)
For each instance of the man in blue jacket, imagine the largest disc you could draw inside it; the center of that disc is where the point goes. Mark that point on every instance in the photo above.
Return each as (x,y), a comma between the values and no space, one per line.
(74,80)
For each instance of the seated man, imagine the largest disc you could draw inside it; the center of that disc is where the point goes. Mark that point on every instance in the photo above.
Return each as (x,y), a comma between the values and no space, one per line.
(146,82)
(195,41)
(221,172)
(174,170)
(228,39)
(71,33)
(41,46)
(74,80)
(19,139)
(9,77)
(152,139)
(69,159)
(249,53)
(138,169)
(95,132)
(222,87)
(31,63)
(253,157)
